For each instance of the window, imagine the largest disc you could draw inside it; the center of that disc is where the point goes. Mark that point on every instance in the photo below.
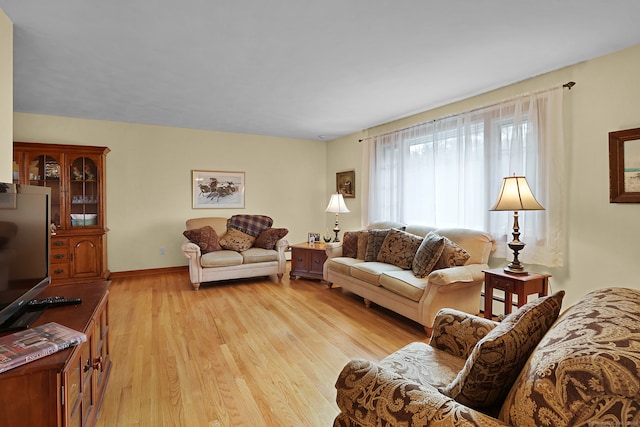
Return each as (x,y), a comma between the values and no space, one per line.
(447,172)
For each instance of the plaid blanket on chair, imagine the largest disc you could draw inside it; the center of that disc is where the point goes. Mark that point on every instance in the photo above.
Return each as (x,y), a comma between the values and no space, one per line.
(253,225)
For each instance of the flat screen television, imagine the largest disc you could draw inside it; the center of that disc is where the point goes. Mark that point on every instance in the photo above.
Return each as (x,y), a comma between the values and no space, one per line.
(24,251)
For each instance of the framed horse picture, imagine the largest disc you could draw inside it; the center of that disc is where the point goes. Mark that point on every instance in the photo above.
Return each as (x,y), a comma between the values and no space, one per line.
(217,189)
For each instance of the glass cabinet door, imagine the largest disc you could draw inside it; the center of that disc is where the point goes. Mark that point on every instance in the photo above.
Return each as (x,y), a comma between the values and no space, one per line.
(44,170)
(83,192)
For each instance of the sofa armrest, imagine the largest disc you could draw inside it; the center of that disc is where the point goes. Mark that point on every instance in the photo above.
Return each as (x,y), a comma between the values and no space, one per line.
(333,249)
(463,273)
(191,251)
(457,332)
(370,395)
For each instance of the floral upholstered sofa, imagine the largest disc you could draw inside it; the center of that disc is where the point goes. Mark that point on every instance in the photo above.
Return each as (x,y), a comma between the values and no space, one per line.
(232,248)
(581,370)
(413,270)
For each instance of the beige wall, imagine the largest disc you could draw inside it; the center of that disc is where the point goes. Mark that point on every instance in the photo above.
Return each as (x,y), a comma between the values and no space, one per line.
(602,238)
(149,181)
(6,96)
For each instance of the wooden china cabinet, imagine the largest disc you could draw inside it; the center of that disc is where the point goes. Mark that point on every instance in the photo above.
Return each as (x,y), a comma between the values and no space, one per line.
(76,176)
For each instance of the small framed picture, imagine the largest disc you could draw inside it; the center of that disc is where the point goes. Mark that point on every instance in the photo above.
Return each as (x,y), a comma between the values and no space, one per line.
(624,166)
(346,184)
(313,238)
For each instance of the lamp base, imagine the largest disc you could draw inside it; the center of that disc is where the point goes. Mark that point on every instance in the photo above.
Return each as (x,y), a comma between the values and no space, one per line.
(516,271)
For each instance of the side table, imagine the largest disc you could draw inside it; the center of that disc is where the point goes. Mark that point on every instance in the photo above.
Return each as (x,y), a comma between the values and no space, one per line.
(307,260)
(522,285)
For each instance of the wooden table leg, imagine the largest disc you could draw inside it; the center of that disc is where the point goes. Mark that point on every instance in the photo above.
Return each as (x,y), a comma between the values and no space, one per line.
(488,299)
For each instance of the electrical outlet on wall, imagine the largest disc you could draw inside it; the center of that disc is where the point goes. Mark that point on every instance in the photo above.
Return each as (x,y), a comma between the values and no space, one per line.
(161,251)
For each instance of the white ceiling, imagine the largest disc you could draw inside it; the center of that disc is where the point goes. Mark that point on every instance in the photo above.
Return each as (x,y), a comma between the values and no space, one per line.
(293,68)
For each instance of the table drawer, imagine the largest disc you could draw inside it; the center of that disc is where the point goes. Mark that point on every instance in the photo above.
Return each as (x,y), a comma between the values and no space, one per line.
(504,284)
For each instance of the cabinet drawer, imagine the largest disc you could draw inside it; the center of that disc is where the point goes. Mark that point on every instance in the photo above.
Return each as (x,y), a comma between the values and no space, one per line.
(317,261)
(59,256)
(59,243)
(59,271)
(299,260)
(504,284)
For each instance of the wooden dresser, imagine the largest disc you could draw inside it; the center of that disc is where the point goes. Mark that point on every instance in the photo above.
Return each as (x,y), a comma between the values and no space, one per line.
(65,388)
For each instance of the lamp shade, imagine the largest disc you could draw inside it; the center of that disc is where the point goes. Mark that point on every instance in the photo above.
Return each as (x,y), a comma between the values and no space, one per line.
(337,205)
(515,195)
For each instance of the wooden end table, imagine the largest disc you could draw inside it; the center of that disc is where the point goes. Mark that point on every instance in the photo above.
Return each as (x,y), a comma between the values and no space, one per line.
(522,285)
(307,260)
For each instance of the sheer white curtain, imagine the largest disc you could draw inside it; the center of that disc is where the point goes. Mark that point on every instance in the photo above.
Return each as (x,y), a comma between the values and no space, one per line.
(448,172)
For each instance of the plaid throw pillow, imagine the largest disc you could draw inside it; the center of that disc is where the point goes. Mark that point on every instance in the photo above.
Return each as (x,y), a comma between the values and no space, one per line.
(252,225)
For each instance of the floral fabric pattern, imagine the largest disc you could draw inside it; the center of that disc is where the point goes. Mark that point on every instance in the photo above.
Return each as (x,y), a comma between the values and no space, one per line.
(498,358)
(452,255)
(586,370)
(399,248)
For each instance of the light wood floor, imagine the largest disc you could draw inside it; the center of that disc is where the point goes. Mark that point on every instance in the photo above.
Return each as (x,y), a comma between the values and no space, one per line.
(244,353)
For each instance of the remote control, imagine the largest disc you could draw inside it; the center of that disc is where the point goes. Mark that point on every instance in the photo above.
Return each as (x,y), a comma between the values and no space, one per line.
(53,302)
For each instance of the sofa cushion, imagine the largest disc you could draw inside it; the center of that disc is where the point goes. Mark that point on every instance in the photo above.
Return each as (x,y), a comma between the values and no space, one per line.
(399,248)
(253,255)
(252,225)
(452,255)
(497,359)
(370,271)
(342,264)
(269,237)
(205,237)
(424,364)
(221,259)
(375,238)
(403,283)
(427,254)
(236,240)
(350,244)
(585,369)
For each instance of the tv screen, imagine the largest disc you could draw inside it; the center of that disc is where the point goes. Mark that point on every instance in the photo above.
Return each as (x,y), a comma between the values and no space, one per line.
(24,247)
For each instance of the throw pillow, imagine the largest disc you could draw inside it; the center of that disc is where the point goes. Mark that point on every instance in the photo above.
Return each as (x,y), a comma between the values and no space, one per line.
(269,237)
(427,254)
(498,358)
(363,238)
(236,240)
(375,238)
(399,248)
(350,244)
(252,225)
(452,255)
(205,237)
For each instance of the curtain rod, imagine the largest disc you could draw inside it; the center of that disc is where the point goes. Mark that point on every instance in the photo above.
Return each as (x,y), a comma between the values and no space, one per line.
(568,85)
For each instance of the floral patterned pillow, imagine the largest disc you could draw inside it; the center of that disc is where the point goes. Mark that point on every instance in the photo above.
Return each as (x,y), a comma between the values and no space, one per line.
(399,248)
(268,238)
(236,240)
(452,255)
(205,237)
(497,359)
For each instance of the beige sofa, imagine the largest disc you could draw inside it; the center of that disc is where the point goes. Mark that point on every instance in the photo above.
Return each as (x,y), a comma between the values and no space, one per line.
(231,264)
(399,290)
(581,370)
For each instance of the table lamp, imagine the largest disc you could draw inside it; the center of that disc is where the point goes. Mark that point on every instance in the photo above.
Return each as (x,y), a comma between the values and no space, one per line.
(515,195)
(337,206)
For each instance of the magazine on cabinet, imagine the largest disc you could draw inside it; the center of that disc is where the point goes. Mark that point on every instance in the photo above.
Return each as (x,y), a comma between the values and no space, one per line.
(22,347)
